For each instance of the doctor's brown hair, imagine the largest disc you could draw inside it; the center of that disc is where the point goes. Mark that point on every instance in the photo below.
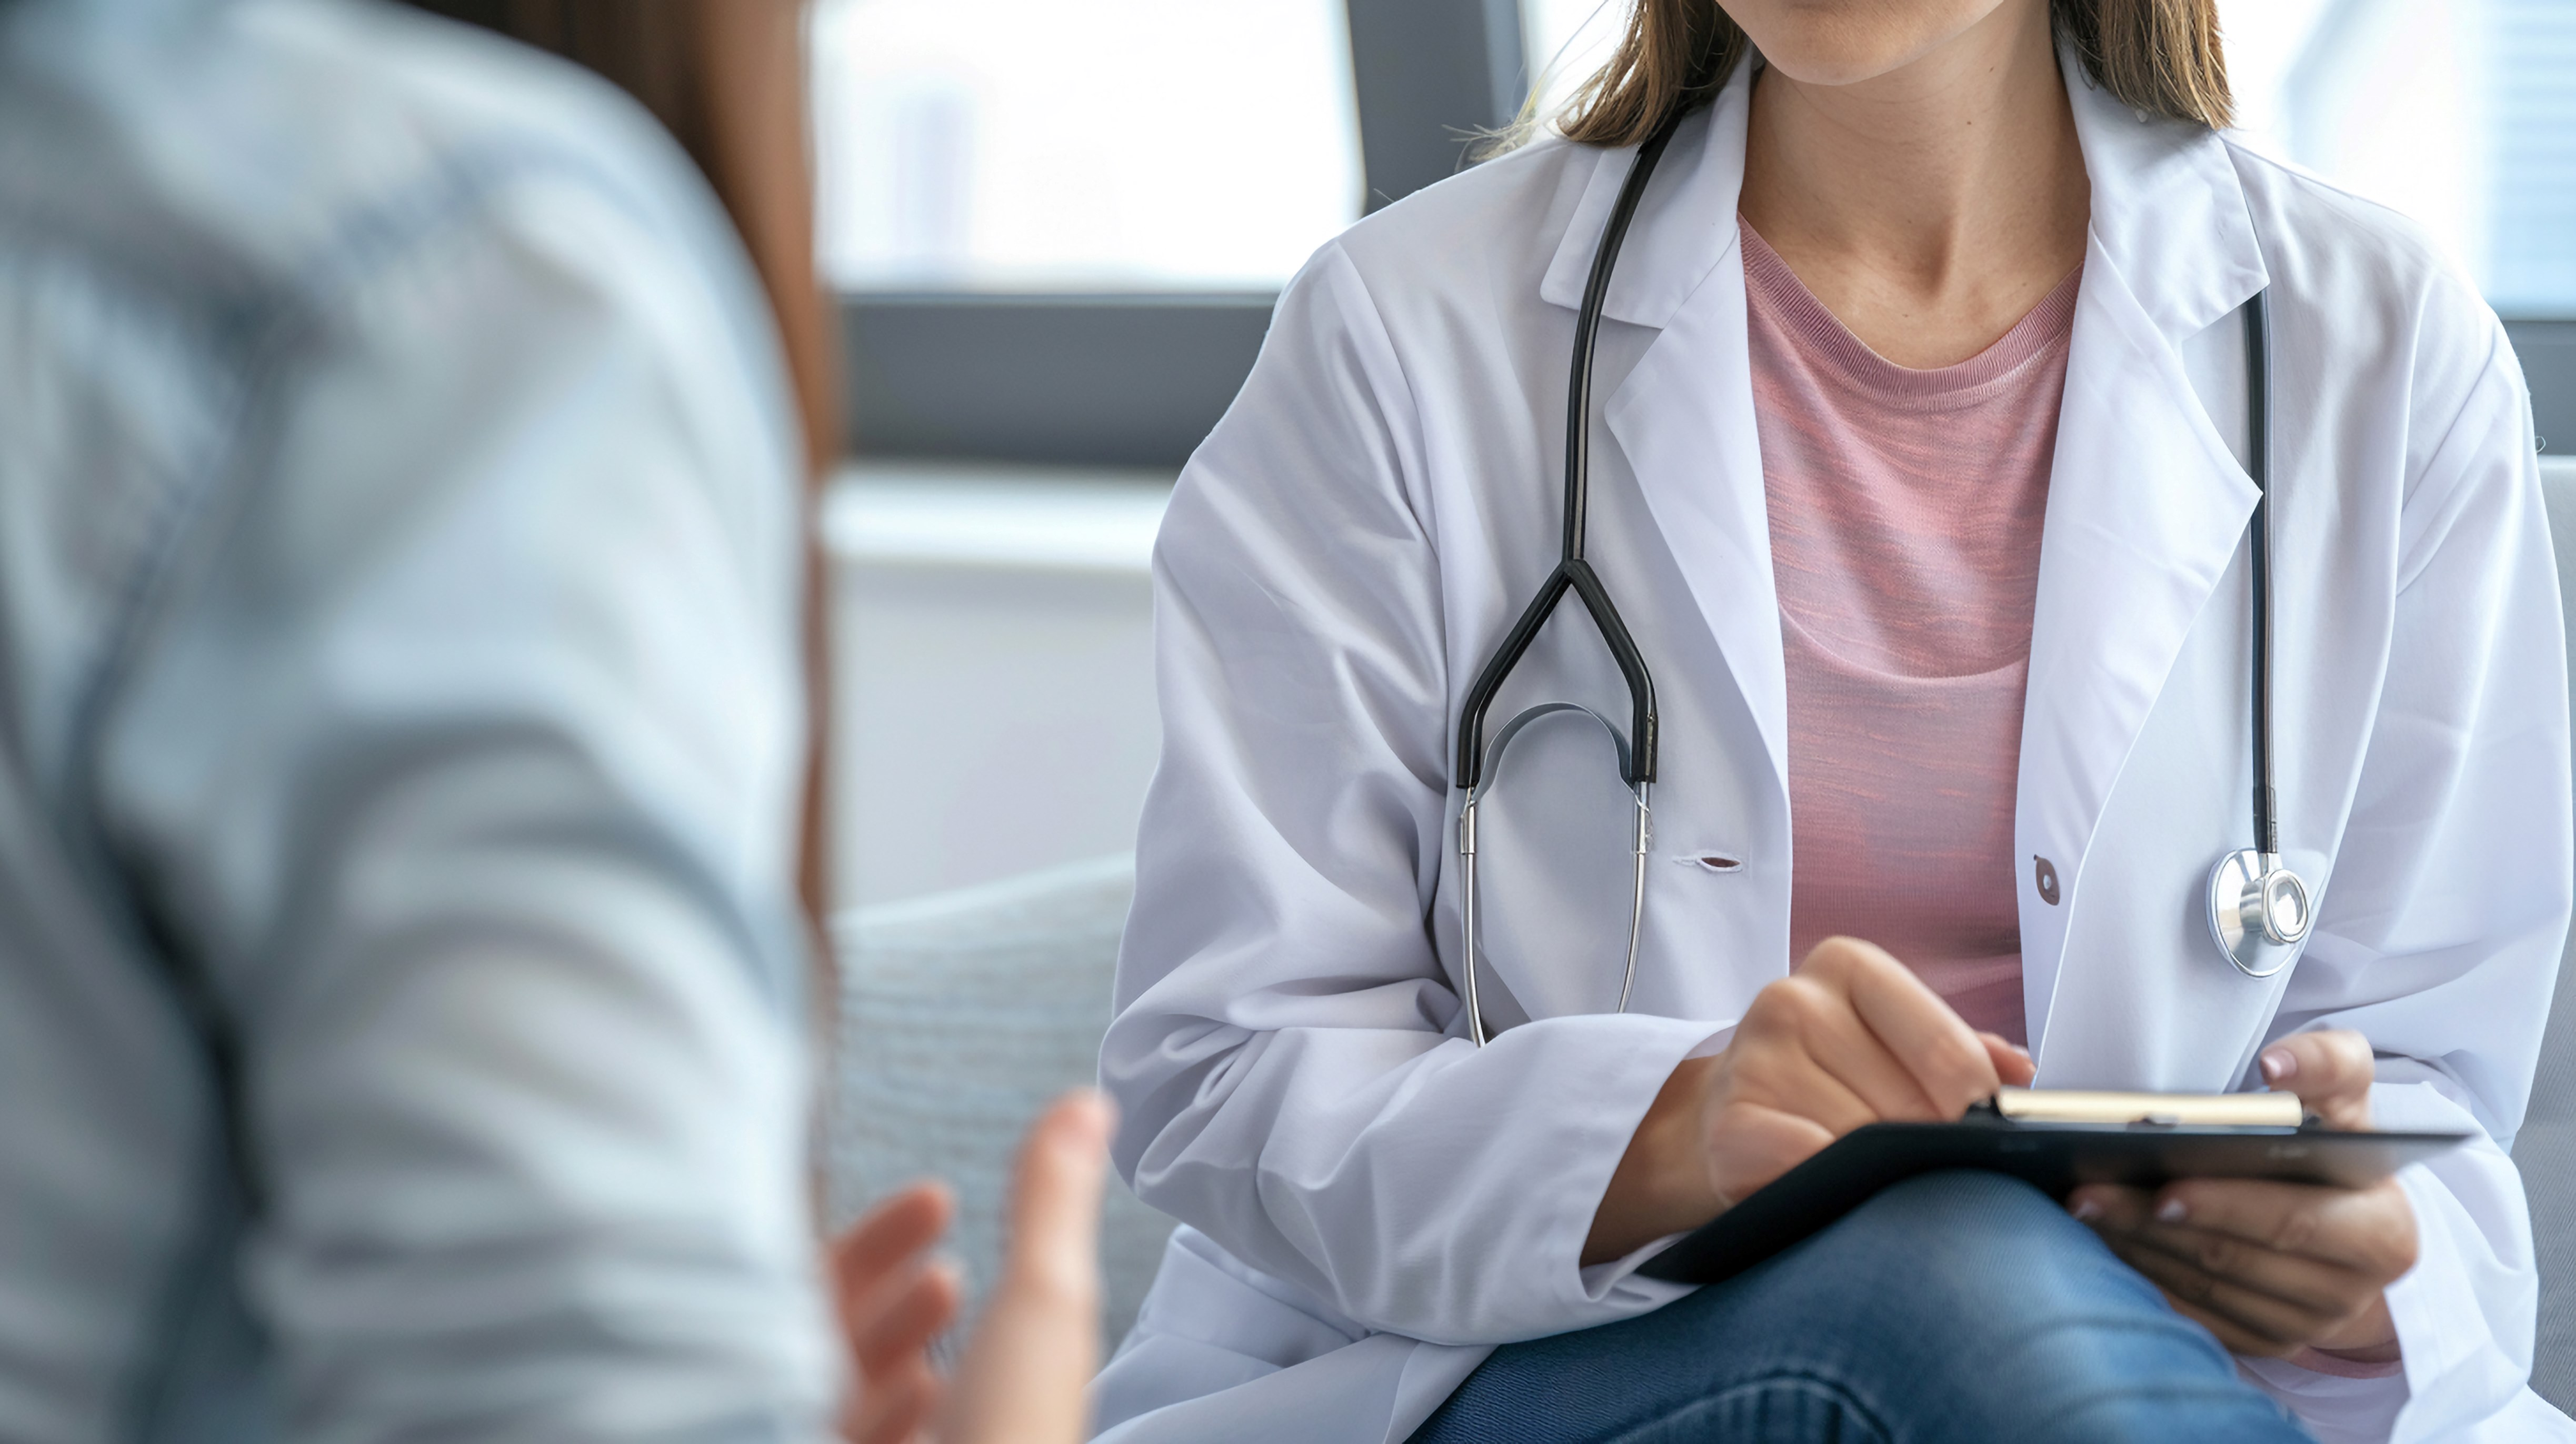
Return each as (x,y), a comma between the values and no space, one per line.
(2158,56)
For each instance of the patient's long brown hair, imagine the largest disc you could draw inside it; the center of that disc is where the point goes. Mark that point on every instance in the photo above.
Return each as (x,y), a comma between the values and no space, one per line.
(2158,56)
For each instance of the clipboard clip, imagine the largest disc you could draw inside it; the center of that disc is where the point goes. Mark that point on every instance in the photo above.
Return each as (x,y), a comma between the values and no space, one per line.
(2146,1110)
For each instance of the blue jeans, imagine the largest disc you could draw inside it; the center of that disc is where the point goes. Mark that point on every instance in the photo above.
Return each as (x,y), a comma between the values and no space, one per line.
(1957,1308)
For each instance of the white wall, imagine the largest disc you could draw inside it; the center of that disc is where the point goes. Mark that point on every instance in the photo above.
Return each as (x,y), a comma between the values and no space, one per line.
(993,706)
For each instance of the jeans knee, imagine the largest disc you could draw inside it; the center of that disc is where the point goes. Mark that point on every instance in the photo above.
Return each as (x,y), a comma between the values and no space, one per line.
(1970,1210)
(1970,1245)
(1952,1307)
(1965,1195)
(1975,1299)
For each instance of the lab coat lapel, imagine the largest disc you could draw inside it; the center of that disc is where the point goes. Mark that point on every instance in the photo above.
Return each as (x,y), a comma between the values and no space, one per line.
(1685,223)
(1684,420)
(2146,507)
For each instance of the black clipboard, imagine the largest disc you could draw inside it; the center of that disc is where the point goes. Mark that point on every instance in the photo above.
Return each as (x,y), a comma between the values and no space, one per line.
(2054,1157)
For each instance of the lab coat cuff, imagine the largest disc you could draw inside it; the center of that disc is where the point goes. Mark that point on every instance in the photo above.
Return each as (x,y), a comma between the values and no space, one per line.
(2332,1408)
(1599,1280)
(2441,1322)
(1648,1049)
(2456,1370)
(1619,1275)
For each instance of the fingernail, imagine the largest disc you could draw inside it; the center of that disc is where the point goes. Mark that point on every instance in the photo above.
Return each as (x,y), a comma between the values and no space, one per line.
(2086,1210)
(2171,1211)
(2279,1065)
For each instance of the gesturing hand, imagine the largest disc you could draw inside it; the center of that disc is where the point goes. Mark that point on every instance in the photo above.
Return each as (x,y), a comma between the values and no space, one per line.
(1032,1352)
(894,1300)
(1851,1037)
(2272,1268)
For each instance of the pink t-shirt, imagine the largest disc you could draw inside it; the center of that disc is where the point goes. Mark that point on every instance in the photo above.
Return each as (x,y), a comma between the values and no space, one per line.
(1905,517)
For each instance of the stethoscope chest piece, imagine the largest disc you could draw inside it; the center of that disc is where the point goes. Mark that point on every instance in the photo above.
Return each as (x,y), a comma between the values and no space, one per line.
(2258,911)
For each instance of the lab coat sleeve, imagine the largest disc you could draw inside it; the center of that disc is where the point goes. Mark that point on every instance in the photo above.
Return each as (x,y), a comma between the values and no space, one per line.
(458,767)
(2439,939)
(1285,1051)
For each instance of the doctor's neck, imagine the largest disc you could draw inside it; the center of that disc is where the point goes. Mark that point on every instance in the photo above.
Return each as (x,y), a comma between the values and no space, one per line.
(1916,165)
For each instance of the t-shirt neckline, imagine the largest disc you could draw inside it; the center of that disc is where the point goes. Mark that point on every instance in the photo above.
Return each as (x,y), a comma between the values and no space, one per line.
(1822,335)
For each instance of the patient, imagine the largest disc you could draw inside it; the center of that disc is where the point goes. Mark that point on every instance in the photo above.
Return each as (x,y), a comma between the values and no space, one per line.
(402,727)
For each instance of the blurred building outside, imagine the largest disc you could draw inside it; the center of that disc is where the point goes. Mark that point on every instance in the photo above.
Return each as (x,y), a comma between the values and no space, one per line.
(1071,145)
(1003,179)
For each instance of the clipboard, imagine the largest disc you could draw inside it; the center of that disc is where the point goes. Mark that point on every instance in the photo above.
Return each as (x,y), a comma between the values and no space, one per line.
(2053,1142)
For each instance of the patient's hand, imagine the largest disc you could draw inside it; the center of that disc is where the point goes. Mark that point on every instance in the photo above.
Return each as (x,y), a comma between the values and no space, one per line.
(894,1300)
(2272,1268)
(1033,1351)
(1851,1037)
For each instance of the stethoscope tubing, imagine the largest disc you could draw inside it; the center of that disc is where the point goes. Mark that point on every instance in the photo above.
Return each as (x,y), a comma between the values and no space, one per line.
(1573,572)
(2258,442)
(2259,909)
(1641,841)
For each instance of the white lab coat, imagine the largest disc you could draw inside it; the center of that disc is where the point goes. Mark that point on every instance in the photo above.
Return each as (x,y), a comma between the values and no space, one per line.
(1371,1202)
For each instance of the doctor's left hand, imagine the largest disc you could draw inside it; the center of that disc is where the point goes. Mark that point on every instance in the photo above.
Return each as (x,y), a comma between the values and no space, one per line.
(2274,1268)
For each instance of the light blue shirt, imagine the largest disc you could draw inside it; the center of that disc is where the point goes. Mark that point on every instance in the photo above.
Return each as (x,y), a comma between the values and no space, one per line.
(400,737)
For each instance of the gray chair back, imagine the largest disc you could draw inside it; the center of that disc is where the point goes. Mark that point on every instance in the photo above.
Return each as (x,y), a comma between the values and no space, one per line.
(961,1015)
(2546,1148)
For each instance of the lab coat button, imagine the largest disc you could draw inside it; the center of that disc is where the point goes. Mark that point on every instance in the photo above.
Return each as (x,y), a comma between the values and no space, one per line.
(2044,873)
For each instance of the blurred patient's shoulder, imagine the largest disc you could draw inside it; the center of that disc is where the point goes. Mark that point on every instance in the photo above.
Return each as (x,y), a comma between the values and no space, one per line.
(271,152)
(359,280)
(317,196)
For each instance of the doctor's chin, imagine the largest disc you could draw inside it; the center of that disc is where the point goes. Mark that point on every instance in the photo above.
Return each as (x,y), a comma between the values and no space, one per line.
(1299,722)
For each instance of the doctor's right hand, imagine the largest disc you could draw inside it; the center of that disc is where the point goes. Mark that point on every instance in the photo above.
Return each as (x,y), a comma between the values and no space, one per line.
(1850,1037)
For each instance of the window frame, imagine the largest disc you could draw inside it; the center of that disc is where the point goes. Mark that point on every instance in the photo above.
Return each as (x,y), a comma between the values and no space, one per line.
(1138,378)
(2546,347)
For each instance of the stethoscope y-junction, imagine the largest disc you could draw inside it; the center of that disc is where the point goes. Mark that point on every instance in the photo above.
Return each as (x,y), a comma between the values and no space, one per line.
(2258,908)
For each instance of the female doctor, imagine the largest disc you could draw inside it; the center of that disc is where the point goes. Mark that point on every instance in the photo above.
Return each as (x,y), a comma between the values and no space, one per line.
(1947,354)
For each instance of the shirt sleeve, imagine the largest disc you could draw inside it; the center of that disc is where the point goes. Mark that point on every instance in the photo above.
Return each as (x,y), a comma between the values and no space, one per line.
(1287,1051)
(2452,898)
(458,765)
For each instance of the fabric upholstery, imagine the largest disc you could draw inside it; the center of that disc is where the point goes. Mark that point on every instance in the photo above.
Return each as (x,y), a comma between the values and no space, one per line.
(961,1015)
(2546,1148)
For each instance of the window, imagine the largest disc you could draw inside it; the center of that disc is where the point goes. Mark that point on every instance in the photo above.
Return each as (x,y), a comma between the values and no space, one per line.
(1081,145)
(1058,225)
(1567,40)
(2460,113)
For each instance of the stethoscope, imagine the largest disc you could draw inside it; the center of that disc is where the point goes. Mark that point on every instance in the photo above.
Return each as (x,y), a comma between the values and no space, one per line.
(2258,907)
